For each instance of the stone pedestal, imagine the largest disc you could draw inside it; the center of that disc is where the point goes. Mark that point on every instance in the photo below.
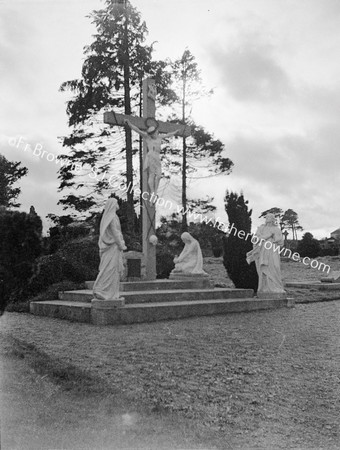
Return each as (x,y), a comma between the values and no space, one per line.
(187,276)
(134,256)
(104,312)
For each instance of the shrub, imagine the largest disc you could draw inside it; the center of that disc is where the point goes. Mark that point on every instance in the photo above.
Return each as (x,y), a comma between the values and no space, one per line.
(76,261)
(309,246)
(164,264)
(51,293)
(243,275)
(20,237)
(331,251)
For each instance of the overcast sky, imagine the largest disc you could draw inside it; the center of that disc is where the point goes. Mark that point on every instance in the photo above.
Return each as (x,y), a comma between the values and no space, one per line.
(274,66)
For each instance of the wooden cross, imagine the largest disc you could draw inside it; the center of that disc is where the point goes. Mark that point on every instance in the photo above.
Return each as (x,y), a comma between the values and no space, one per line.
(149,215)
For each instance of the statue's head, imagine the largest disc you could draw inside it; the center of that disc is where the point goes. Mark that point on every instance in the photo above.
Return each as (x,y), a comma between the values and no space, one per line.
(112,204)
(270,219)
(186,237)
(152,130)
(151,125)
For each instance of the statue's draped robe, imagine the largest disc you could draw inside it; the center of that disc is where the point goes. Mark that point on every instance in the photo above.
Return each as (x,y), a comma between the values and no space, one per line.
(190,261)
(111,243)
(267,260)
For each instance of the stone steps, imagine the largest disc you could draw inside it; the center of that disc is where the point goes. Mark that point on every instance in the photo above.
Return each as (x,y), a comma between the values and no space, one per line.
(73,311)
(163,295)
(162,284)
(322,286)
(150,312)
(148,301)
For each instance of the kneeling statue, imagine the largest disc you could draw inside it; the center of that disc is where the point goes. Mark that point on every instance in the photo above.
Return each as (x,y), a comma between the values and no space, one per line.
(190,261)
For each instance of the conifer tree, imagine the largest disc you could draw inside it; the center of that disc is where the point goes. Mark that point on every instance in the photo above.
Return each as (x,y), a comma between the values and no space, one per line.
(115,64)
(200,151)
(10,173)
(235,248)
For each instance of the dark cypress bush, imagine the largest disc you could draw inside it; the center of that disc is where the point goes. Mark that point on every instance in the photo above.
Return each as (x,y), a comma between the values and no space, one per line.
(21,244)
(243,275)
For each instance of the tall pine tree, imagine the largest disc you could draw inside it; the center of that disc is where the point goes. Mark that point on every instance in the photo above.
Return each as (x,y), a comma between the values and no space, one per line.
(115,64)
(200,151)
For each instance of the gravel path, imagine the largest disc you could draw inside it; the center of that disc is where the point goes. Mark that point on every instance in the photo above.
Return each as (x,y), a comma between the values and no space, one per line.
(263,380)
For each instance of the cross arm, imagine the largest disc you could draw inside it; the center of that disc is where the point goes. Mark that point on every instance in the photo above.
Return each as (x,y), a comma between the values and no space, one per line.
(119,120)
(169,128)
(113,118)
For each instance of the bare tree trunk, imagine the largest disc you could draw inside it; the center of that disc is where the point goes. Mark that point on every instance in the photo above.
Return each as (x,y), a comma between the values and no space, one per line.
(184,186)
(184,165)
(128,134)
(141,160)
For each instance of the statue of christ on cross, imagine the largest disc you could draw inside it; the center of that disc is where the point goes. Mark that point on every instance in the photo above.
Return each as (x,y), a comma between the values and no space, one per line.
(152,163)
(152,170)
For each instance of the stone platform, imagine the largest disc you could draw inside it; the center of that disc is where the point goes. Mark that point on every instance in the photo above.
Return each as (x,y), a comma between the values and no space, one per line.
(148,301)
(323,286)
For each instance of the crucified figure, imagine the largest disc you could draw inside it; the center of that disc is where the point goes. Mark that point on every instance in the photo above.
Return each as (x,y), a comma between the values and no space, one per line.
(152,162)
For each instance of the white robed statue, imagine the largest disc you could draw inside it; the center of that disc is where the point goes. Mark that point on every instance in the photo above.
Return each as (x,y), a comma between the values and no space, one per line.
(190,261)
(267,260)
(111,246)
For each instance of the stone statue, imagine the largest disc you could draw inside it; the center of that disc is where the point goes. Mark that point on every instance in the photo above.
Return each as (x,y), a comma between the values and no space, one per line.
(268,238)
(111,246)
(152,162)
(190,261)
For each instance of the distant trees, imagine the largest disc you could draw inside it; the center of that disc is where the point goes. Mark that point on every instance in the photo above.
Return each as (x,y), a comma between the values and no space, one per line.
(10,173)
(240,272)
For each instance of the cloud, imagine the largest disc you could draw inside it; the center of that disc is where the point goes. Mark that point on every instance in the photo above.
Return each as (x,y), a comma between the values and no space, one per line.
(295,171)
(251,75)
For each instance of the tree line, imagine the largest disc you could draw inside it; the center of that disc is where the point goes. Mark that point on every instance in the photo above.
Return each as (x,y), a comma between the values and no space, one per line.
(115,64)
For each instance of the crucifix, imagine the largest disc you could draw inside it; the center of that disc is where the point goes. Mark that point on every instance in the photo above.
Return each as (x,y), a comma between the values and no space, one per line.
(152,132)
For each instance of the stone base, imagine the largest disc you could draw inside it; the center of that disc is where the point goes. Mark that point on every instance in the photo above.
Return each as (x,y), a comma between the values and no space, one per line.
(187,276)
(271,295)
(108,304)
(104,312)
(313,285)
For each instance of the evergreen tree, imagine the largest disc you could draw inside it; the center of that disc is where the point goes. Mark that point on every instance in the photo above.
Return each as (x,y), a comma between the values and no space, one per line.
(240,272)
(290,220)
(115,64)
(10,173)
(200,150)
